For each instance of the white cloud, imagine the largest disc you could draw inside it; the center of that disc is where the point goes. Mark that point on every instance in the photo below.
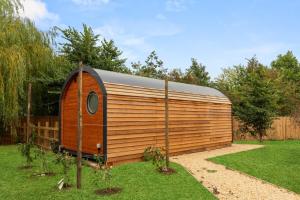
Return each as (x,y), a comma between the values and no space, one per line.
(109,31)
(36,10)
(121,37)
(131,44)
(90,2)
(135,42)
(176,5)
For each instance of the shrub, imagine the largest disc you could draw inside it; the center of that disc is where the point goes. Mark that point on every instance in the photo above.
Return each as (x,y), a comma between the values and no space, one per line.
(41,154)
(148,154)
(102,172)
(157,155)
(66,161)
(26,150)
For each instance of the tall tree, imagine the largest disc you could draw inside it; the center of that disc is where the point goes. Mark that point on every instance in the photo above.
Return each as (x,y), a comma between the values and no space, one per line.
(288,65)
(152,68)
(9,8)
(81,46)
(229,81)
(25,52)
(196,74)
(257,99)
(110,57)
(286,78)
(47,86)
(84,47)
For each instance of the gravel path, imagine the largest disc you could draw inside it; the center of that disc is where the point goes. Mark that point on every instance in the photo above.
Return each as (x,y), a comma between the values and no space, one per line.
(229,184)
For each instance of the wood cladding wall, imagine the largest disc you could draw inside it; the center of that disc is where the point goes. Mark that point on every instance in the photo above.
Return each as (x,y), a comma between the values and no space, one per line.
(92,124)
(135,120)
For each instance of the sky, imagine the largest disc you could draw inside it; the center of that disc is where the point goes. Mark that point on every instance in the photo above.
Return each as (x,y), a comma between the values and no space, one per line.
(218,33)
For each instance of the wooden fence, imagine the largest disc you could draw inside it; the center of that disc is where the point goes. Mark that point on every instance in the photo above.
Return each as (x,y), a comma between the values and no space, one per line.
(283,128)
(46,130)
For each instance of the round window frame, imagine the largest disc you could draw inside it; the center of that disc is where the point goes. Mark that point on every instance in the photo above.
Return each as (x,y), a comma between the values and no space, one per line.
(88,107)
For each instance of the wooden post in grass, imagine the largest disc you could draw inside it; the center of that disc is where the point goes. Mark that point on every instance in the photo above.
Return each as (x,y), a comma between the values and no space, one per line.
(79,127)
(28,112)
(167,121)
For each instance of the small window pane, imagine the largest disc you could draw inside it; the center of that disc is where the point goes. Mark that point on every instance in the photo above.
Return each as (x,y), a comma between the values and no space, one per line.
(92,103)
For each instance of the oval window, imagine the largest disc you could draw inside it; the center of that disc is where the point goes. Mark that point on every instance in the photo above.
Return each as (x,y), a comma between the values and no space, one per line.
(92,102)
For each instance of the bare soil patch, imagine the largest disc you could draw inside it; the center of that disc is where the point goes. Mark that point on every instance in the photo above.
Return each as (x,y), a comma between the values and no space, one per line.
(167,171)
(67,186)
(108,191)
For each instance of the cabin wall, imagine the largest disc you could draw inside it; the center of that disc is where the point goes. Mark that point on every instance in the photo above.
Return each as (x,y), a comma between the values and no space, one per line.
(92,131)
(135,120)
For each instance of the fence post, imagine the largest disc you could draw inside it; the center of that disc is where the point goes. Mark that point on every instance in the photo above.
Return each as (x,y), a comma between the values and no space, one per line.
(55,133)
(79,128)
(46,135)
(284,128)
(39,133)
(24,132)
(167,121)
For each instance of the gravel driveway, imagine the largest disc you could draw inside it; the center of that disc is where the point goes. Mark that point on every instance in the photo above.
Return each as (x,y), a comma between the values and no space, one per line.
(229,184)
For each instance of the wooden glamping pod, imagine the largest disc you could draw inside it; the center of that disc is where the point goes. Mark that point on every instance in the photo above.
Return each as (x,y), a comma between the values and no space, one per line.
(123,114)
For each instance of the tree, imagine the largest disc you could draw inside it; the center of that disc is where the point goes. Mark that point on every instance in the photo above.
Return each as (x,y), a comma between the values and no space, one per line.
(9,8)
(286,78)
(288,65)
(84,47)
(48,84)
(196,74)
(229,81)
(110,58)
(80,46)
(257,99)
(152,68)
(176,75)
(24,53)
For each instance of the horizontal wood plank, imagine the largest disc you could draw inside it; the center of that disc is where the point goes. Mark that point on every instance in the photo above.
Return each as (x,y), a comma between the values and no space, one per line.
(136,122)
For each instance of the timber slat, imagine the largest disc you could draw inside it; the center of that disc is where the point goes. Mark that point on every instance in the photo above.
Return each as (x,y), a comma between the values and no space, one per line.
(135,123)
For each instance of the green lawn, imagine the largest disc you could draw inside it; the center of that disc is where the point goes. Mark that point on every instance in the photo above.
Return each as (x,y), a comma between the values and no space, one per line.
(138,180)
(278,163)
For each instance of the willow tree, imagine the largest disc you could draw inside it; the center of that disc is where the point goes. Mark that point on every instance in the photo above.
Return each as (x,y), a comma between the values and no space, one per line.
(24,53)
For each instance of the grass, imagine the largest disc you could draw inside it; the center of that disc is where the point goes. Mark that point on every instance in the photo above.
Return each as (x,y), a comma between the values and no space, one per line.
(138,181)
(278,163)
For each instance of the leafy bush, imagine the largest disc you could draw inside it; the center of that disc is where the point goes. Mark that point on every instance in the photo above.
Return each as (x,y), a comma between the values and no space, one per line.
(41,154)
(66,161)
(102,172)
(26,150)
(157,155)
(148,154)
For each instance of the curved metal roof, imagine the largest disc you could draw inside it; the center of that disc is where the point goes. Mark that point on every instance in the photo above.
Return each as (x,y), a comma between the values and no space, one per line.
(126,79)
